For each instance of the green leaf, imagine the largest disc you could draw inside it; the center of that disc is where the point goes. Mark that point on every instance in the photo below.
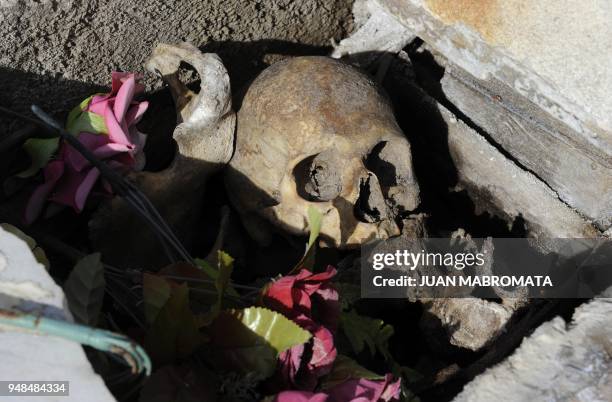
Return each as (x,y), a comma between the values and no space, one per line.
(203,288)
(363,331)
(222,281)
(250,340)
(345,369)
(274,328)
(38,252)
(174,334)
(314,223)
(88,122)
(76,111)
(213,273)
(81,121)
(40,151)
(207,268)
(84,289)
(222,277)
(156,292)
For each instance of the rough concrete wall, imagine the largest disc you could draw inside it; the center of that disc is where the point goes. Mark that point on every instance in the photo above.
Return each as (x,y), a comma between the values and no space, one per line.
(55,52)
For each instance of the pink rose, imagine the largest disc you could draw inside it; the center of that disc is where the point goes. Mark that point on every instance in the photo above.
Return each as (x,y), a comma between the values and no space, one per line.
(360,390)
(312,302)
(70,178)
(295,295)
(320,353)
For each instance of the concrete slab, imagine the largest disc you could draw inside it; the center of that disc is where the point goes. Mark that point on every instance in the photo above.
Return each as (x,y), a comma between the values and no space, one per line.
(26,285)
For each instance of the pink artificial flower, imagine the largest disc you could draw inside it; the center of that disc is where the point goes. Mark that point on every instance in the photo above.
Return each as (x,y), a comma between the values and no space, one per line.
(358,390)
(321,353)
(296,295)
(362,390)
(300,396)
(70,178)
(312,302)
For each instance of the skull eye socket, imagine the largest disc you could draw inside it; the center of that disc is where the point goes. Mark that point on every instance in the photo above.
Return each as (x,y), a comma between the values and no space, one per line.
(189,77)
(318,177)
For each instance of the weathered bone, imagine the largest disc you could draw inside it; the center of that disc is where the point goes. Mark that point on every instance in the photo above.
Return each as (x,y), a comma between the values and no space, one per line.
(204,137)
(469,323)
(317,106)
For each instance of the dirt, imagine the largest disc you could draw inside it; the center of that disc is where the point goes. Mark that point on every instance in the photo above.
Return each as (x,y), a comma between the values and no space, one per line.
(56,52)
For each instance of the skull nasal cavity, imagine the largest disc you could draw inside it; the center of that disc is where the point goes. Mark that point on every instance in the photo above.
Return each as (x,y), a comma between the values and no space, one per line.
(318,177)
(371,205)
(380,162)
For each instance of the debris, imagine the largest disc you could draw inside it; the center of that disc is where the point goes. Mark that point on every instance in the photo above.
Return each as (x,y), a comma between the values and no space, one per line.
(559,361)
(468,323)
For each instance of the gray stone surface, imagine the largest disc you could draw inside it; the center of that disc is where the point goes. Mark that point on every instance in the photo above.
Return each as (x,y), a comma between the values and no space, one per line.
(468,323)
(56,52)
(559,362)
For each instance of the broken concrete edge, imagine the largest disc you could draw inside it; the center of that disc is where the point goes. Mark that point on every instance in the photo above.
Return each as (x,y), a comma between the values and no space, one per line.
(26,286)
(24,280)
(498,185)
(377,32)
(579,175)
(559,361)
(468,46)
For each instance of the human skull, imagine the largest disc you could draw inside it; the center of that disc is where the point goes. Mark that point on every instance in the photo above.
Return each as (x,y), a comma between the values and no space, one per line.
(313,131)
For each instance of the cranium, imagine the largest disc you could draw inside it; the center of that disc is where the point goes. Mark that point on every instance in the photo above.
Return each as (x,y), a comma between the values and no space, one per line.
(313,131)
(204,137)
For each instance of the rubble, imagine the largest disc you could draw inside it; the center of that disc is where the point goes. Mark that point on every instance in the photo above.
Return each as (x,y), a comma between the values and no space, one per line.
(470,323)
